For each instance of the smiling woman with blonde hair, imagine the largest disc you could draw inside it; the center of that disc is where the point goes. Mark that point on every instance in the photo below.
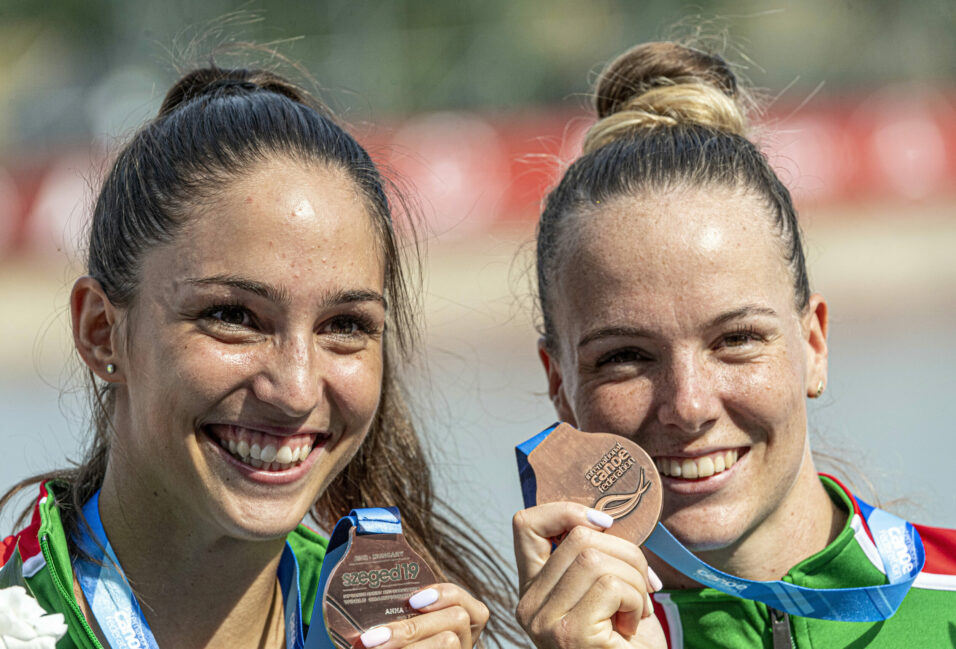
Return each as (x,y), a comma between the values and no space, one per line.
(677,312)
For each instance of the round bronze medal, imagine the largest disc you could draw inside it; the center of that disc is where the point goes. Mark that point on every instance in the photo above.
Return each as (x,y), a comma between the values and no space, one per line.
(371,586)
(605,472)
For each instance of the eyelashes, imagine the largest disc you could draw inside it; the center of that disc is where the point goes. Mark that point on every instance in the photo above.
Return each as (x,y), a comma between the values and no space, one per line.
(741,337)
(234,316)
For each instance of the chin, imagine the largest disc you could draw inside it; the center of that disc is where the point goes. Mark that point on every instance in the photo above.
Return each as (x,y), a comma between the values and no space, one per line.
(703,529)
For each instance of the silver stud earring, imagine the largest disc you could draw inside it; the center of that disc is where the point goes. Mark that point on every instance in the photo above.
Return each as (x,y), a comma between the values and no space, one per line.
(110,368)
(819,390)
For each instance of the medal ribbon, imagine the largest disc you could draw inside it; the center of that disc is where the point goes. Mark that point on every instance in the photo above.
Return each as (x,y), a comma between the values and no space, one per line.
(371,520)
(115,607)
(897,542)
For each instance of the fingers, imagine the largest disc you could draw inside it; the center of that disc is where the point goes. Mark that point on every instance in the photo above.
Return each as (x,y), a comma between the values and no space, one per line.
(590,569)
(535,527)
(450,618)
(577,541)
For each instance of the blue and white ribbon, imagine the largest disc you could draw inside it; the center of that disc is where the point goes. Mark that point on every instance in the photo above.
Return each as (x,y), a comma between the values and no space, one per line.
(115,608)
(372,520)
(897,541)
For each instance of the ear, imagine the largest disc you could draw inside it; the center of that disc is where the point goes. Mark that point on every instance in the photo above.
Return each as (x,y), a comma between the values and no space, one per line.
(815,325)
(552,368)
(95,330)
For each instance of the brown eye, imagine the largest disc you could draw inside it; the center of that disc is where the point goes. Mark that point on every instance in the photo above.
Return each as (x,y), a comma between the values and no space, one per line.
(343,326)
(232,315)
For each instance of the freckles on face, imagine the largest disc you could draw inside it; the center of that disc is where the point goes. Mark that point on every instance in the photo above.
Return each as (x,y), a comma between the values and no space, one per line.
(262,321)
(676,327)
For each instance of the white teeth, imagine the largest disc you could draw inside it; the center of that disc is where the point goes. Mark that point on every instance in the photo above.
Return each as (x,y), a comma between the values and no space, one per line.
(252,448)
(688,469)
(284,456)
(700,467)
(719,464)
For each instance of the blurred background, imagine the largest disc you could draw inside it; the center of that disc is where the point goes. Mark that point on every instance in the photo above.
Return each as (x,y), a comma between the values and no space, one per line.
(477,105)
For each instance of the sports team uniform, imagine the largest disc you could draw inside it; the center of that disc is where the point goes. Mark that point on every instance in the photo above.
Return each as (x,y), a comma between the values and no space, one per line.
(691,618)
(925,620)
(48,570)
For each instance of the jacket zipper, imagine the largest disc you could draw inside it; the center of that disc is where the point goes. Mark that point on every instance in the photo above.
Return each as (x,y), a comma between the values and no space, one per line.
(67,597)
(780,626)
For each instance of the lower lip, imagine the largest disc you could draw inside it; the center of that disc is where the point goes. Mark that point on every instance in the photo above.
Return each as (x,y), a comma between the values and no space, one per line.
(701,486)
(270,477)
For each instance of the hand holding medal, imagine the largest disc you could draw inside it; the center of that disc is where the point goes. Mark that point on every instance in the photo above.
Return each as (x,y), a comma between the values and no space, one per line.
(600,496)
(373,583)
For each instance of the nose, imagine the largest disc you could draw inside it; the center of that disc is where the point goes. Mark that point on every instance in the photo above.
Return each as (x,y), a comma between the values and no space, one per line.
(290,378)
(688,396)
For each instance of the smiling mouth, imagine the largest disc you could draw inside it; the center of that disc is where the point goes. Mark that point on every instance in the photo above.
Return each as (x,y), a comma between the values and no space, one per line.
(262,450)
(697,468)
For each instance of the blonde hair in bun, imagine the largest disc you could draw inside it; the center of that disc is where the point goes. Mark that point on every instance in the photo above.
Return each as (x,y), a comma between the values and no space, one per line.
(668,116)
(661,85)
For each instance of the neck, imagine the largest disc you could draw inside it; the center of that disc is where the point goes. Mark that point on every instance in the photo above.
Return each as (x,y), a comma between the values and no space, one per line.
(804,524)
(195,590)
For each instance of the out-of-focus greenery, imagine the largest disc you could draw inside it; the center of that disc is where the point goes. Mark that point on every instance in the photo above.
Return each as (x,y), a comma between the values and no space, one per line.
(71,68)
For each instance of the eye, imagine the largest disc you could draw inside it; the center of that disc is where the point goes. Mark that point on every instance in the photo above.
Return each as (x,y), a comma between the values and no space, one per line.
(233,315)
(343,326)
(618,356)
(740,337)
(350,325)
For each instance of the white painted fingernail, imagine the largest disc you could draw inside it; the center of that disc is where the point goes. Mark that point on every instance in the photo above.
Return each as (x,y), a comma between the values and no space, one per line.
(650,606)
(656,583)
(423,598)
(599,518)
(376,636)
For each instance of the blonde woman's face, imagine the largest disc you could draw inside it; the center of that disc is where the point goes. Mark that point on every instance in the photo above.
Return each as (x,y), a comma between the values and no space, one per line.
(257,333)
(676,327)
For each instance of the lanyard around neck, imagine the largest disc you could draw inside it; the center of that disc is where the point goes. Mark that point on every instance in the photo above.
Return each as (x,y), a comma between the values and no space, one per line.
(116,609)
(897,542)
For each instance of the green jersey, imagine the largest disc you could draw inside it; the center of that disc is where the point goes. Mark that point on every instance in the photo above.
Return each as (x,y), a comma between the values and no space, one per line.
(926,619)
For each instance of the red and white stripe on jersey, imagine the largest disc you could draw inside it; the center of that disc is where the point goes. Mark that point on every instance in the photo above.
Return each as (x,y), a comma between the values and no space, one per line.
(939,571)
(28,540)
(669,617)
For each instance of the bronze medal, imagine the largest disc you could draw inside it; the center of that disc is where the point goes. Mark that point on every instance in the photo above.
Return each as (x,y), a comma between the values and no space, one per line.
(605,472)
(371,586)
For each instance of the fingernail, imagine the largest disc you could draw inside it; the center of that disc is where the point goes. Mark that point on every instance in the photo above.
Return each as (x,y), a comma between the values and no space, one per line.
(423,598)
(375,636)
(650,606)
(599,518)
(656,583)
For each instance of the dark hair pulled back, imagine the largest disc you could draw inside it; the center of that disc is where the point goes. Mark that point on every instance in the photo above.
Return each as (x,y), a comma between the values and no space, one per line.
(669,116)
(214,126)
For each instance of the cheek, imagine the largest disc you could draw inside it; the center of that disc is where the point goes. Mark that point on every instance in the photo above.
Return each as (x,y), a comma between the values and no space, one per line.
(617,408)
(356,385)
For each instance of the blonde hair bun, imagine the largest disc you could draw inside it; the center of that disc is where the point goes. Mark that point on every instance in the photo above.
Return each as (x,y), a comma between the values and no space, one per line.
(656,85)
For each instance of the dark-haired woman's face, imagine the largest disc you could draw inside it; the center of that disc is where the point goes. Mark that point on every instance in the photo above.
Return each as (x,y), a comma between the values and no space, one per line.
(253,364)
(676,327)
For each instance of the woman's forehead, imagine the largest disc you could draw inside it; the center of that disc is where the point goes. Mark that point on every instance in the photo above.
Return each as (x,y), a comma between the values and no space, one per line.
(702,250)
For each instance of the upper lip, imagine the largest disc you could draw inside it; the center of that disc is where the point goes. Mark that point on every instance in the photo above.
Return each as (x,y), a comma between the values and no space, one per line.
(276,431)
(700,452)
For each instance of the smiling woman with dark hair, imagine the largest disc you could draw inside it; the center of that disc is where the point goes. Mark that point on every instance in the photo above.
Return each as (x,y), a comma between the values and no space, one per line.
(244,320)
(677,312)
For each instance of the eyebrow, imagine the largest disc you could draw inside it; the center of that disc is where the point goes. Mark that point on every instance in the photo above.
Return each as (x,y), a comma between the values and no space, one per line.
(281,296)
(638,332)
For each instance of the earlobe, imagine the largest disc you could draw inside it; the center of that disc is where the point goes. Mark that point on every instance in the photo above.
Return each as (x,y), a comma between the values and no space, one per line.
(556,390)
(94,321)
(815,327)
